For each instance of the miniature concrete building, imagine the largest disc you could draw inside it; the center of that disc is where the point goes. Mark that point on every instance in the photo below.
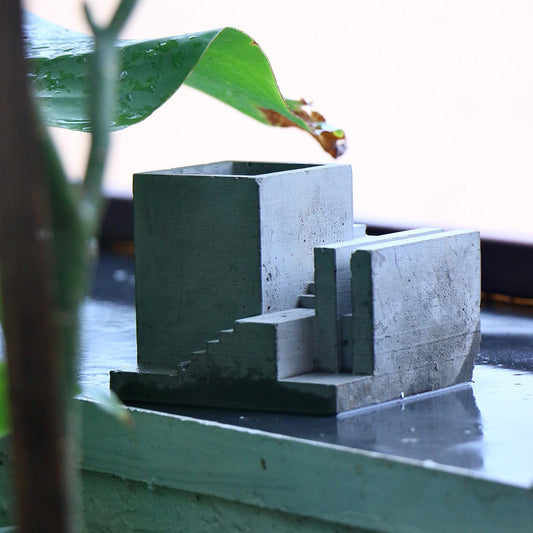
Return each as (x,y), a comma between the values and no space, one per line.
(255,290)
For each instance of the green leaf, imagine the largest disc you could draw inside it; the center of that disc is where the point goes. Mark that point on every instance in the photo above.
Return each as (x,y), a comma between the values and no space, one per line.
(5,424)
(108,402)
(226,64)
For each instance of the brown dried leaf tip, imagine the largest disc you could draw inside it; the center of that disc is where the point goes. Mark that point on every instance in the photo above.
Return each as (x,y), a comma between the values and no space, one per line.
(332,140)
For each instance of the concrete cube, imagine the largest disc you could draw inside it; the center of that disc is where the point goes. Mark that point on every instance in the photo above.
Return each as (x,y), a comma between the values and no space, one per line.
(219,242)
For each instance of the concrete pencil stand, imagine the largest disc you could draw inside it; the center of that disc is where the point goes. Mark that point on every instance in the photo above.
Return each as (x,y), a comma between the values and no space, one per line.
(255,290)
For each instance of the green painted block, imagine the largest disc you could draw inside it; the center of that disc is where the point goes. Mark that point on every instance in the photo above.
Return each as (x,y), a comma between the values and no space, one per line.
(338,485)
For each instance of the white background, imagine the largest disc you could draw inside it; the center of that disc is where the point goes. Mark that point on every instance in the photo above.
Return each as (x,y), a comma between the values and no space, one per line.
(436,98)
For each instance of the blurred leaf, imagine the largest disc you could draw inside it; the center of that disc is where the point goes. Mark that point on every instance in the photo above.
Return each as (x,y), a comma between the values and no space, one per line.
(108,401)
(226,64)
(5,424)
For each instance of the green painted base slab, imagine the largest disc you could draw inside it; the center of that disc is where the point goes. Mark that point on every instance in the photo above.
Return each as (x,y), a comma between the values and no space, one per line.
(317,393)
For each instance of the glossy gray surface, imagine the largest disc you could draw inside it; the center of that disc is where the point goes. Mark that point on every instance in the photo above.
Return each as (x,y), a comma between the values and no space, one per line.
(485,426)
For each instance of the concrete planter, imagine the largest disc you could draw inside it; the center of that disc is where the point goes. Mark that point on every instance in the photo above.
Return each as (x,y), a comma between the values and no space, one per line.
(254,289)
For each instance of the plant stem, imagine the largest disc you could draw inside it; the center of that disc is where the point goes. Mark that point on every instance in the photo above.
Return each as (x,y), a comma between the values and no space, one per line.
(28,292)
(46,231)
(105,64)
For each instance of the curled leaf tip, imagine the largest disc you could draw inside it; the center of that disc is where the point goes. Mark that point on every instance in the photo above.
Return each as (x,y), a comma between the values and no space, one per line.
(332,143)
(332,140)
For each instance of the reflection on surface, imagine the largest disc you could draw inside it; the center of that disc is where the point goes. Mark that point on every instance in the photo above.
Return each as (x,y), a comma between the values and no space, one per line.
(505,400)
(507,339)
(442,427)
(107,341)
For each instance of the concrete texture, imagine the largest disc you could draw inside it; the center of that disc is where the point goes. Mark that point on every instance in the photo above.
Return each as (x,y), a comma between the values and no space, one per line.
(333,280)
(255,290)
(215,243)
(269,346)
(415,304)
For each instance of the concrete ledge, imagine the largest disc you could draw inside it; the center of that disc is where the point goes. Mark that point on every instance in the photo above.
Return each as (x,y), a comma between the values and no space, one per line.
(341,487)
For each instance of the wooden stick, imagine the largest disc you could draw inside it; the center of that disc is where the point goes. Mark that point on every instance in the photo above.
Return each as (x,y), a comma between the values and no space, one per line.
(37,407)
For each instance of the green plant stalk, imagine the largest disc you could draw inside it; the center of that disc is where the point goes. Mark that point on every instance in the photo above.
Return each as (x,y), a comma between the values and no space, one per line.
(105,61)
(75,218)
(46,234)
(76,211)
(70,264)
(28,297)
